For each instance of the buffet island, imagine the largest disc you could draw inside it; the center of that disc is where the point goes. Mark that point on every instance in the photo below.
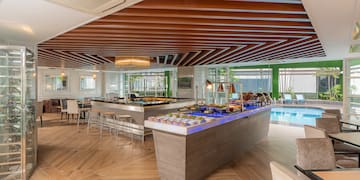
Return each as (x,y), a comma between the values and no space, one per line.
(191,144)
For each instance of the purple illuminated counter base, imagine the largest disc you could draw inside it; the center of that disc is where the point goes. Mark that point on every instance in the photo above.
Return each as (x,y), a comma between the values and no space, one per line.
(194,152)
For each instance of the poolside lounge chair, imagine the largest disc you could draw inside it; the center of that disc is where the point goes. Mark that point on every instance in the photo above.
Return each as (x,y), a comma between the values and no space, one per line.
(287,98)
(300,98)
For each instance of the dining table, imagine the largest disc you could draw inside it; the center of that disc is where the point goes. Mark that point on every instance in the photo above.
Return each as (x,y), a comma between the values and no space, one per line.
(331,174)
(354,123)
(352,138)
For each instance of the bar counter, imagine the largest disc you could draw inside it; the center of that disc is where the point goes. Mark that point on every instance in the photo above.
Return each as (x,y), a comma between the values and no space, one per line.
(138,111)
(194,152)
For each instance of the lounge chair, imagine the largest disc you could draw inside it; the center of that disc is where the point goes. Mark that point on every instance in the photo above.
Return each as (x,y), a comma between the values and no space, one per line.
(287,98)
(300,98)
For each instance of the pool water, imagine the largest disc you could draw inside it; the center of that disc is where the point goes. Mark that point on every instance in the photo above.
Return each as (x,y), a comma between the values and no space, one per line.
(296,116)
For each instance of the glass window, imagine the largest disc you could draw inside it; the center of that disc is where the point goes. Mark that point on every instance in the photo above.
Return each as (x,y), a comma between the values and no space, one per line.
(87,83)
(55,82)
(314,83)
(254,80)
(148,83)
(112,82)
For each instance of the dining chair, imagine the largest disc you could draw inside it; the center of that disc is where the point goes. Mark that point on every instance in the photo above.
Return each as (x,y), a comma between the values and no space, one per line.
(63,108)
(315,154)
(337,112)
(39,111)
(340,158)
(73,109)
(279,172)
(332,126)
(343,152)
(313,132)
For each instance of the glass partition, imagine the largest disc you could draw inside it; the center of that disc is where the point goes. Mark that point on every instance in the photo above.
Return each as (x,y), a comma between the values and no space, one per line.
(18,141)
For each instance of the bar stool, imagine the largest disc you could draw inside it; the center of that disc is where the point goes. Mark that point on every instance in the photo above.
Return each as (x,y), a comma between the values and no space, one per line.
(93,118)
(124,124)
(104,116)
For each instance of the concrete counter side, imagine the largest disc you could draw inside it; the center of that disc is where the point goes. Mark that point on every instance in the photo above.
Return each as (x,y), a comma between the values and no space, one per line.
(194,156)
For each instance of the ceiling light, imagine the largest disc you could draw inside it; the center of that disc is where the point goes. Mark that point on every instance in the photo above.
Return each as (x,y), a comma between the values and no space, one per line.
(132,61)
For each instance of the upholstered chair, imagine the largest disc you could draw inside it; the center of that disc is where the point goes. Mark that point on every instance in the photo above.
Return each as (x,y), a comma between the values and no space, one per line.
(315,154)
(331,125)
(313,132)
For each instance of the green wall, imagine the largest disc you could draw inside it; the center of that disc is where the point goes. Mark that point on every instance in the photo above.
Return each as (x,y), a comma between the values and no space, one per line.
(168,89)
(275,70)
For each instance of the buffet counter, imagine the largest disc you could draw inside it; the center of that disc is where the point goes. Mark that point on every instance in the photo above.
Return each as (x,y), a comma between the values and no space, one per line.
(190,148)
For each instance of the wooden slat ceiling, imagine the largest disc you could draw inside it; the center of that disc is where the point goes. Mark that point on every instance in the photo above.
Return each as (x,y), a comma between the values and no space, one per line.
(190,32)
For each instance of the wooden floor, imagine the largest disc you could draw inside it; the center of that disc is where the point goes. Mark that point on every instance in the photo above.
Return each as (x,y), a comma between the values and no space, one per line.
(65,153)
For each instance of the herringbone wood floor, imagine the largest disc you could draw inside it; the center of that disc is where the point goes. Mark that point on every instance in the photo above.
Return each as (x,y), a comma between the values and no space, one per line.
(66,154)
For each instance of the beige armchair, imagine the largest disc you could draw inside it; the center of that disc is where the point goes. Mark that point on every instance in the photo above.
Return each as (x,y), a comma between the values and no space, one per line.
(313,132)
(341,150)
(315,153)
(334,111)
(332,126)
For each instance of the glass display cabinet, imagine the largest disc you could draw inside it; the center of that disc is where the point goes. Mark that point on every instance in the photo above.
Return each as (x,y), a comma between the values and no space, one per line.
(18,133)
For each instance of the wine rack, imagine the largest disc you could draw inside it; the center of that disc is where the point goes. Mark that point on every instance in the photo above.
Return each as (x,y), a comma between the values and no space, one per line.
(17,112)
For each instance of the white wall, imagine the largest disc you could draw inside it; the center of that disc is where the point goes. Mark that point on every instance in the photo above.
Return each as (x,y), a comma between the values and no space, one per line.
(73,84)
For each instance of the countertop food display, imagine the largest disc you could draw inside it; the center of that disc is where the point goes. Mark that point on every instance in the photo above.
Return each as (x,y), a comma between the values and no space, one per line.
(195,118)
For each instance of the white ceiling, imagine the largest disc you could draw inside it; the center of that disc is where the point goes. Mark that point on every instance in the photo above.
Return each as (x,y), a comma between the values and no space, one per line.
(28,22)
(333,21)
(32,21)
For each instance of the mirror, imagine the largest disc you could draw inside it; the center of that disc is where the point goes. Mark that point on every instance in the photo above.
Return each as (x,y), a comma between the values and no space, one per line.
(55,82)
(87,83)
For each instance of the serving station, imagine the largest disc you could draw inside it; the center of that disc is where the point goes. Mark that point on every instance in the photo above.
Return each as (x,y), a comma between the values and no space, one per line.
(190,145)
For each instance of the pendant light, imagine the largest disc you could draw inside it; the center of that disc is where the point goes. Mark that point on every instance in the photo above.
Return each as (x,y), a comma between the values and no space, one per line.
(220,88)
